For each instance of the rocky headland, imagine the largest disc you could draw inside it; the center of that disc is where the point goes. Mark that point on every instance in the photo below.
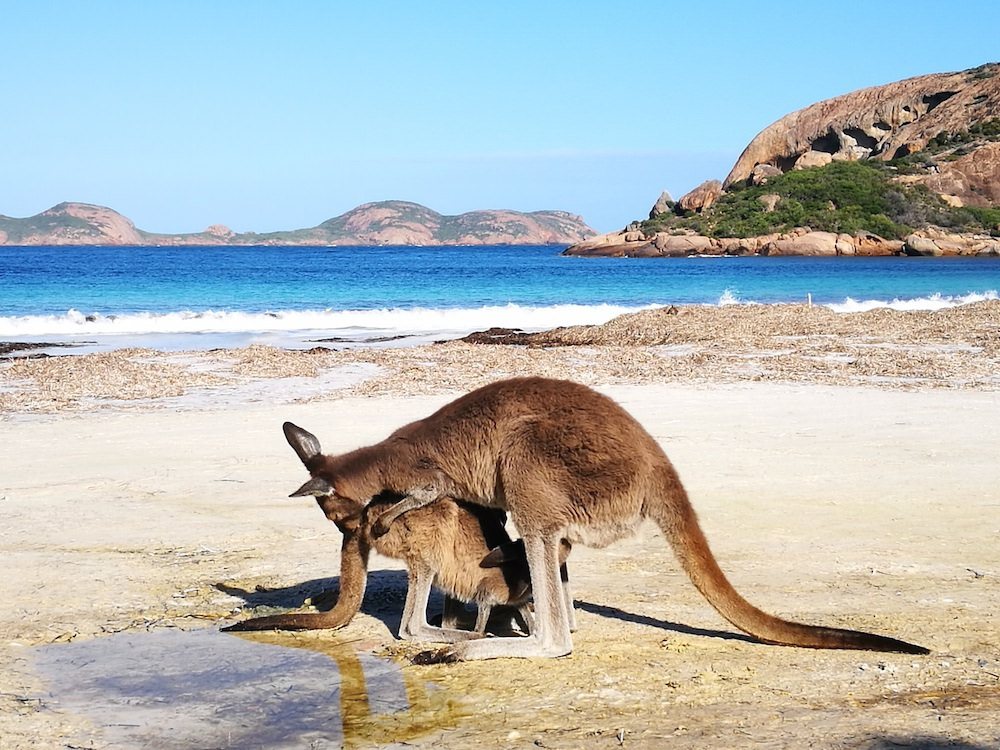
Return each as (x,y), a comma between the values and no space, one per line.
(931,241)
(909,168)
(383,223)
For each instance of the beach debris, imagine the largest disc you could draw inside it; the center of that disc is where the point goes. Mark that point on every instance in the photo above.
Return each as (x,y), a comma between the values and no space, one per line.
(956,347)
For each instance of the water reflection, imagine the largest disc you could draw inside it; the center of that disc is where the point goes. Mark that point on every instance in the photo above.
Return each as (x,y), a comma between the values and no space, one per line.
(206,689)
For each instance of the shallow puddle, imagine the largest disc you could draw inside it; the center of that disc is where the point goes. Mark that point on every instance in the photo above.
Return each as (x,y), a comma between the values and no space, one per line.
(206,689)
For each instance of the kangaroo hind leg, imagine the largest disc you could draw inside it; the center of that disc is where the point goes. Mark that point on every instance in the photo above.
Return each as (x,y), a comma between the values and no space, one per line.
(414,625)
(550,635)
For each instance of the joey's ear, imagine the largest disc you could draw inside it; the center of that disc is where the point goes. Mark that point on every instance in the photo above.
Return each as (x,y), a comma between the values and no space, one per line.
(565,547)
(494,559)
(505,553)
(304,443)
(317,487)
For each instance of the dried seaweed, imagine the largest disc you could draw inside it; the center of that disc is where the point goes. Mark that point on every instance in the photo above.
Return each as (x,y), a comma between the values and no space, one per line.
(952,348)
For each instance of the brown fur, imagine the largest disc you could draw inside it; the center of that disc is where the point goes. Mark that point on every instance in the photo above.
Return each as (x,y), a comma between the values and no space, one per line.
(566,462)
(447,547)
(445,543)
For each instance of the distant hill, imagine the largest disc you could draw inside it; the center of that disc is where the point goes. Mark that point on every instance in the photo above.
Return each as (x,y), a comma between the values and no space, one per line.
(384,223)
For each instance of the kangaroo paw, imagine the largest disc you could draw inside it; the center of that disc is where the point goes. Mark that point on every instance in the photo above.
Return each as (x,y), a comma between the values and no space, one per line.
(438,635)
(436,656)
(323,600)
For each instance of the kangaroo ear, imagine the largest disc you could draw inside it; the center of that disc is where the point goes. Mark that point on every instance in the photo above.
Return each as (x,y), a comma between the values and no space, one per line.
(305,444)
(317,487)
(565,547)
(494,559)
(505,553)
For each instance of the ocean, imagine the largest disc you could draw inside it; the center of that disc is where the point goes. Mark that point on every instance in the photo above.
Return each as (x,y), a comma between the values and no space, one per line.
(175,298)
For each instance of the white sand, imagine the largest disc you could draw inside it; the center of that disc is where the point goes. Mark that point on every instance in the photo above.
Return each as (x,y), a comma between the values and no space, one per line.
(871,509)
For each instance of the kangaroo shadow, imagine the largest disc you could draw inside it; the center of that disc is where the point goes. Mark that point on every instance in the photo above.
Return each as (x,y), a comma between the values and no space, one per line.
(922,742)
(620,614)
(383,600)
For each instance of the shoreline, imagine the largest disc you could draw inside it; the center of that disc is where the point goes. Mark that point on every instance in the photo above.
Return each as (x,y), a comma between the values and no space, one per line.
(926,242)
(954,348)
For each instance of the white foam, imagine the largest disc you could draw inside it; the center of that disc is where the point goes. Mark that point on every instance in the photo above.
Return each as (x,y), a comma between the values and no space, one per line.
(399,321)
(932,302)
(187,329)
(731,296)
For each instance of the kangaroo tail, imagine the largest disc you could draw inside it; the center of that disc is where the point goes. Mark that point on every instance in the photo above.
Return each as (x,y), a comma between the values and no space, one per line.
(682,530)
(353,580)
(294,621)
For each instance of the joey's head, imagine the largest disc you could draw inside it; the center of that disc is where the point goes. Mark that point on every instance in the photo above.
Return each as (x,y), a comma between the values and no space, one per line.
(339,507)
(512,560)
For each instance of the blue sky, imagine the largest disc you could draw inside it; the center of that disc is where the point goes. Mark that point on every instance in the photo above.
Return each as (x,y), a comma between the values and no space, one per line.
(267,115)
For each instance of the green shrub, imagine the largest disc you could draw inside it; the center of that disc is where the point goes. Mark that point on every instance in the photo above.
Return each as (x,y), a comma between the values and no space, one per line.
(849,197)
(987,218)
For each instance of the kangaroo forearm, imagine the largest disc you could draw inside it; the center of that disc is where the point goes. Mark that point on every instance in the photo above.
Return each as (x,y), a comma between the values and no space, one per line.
(417,497)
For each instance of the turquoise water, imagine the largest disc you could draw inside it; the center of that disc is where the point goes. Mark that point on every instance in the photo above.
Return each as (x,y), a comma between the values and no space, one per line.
(195,295)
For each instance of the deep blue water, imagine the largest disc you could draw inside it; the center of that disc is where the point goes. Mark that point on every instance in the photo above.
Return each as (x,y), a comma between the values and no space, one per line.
(52,291)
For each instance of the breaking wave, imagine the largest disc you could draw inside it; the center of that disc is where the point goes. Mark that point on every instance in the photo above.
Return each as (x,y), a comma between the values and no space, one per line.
(394,320)
(414,324)
(933,302)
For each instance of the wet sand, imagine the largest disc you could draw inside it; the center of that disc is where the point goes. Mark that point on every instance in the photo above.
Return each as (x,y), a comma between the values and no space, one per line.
(845,477)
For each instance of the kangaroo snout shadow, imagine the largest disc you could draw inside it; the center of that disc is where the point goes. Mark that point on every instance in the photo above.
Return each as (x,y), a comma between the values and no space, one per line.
(620,614)
(384,596)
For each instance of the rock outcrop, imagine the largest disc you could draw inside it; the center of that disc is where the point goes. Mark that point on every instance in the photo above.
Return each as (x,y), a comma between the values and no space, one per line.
(220,230)
(929,242)
(972,179)
(760,174)
(702,197)
(887,122)
(386,223)
(664,204)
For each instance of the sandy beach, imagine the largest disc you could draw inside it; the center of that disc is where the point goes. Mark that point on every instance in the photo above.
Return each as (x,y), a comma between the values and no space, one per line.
(844,468)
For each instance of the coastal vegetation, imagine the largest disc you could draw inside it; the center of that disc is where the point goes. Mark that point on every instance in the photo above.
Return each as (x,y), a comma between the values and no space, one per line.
(843,196)
(17,231)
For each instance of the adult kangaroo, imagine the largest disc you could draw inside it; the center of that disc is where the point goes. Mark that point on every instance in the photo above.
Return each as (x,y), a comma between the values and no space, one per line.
(565,462)
(462,548)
